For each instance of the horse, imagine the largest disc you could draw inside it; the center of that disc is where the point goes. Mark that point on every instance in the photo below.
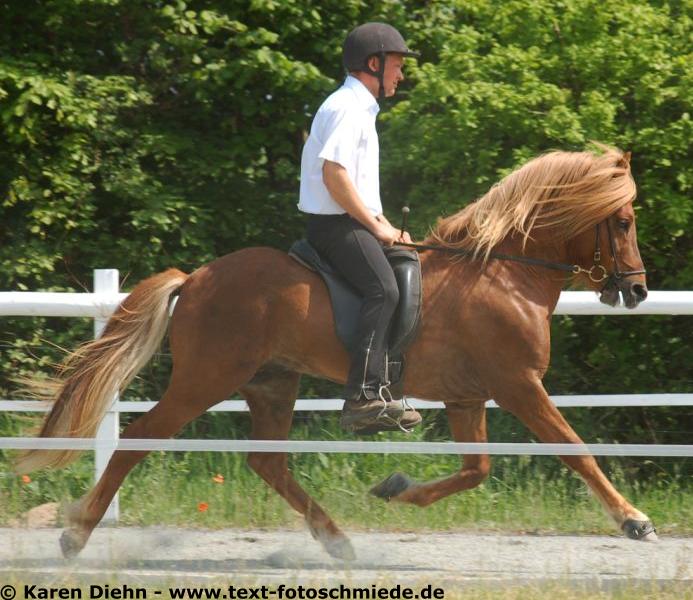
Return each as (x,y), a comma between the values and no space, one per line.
(255,320)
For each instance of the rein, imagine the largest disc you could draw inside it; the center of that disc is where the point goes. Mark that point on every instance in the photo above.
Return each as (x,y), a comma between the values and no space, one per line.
(597,272)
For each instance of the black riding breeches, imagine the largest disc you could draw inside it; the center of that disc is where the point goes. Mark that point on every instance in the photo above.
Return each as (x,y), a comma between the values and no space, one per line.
(359,257)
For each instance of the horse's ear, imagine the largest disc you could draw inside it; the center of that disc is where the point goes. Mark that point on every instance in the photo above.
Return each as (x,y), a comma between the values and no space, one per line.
(626,159)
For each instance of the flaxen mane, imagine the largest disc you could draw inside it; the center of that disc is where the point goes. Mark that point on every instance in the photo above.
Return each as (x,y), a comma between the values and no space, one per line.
(566,191)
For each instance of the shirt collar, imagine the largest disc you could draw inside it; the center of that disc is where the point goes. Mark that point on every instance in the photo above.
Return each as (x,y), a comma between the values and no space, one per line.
(364,97)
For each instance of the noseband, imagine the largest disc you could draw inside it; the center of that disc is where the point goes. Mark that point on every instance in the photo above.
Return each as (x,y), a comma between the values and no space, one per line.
(597,272)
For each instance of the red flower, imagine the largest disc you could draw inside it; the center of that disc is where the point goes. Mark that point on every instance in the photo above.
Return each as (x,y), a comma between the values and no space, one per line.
(202,507)
(26,479)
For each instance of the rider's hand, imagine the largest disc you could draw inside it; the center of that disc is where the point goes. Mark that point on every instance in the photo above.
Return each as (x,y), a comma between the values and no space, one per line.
(405,237)
(386,234)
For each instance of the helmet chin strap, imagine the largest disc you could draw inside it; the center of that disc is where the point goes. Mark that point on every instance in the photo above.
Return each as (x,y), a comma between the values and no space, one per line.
(380,73)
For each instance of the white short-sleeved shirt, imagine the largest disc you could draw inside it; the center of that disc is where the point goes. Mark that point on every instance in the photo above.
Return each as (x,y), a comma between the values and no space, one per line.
(343,131)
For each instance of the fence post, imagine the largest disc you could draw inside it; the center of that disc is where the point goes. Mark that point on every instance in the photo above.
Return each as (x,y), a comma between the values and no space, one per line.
(106,282)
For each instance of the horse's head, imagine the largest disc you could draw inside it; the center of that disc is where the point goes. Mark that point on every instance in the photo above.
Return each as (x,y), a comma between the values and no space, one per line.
(624,267)
(612,248)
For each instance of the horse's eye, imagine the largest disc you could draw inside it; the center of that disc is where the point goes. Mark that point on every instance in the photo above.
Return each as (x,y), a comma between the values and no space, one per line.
(624,224)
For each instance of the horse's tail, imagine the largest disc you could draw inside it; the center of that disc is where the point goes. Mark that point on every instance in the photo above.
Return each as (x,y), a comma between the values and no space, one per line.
(90,377)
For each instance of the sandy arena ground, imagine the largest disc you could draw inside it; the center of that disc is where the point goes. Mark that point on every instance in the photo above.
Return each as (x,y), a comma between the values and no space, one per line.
(148,556)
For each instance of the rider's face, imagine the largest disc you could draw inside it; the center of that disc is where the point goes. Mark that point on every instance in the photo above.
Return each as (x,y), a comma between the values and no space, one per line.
(394,63)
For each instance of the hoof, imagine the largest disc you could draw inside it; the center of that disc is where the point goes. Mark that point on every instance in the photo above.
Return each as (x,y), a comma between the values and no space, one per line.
(337,545)
(71,543)
(643,531)
(394,485)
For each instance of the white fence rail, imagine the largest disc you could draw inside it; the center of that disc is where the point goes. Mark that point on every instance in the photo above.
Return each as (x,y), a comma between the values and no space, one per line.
(101,304)
(106,297)
(332,404)
(360,447)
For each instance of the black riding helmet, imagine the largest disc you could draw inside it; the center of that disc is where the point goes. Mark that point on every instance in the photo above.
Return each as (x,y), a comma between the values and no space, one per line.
(373,39)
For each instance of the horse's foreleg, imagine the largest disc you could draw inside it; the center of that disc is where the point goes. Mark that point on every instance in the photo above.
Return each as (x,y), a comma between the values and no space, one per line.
(467,424)
(530,403)
(271,401)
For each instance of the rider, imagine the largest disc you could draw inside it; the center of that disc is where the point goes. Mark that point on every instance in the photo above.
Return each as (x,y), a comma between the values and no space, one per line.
(340,190)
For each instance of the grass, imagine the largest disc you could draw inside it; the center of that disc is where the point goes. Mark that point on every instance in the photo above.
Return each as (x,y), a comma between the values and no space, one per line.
(532,494)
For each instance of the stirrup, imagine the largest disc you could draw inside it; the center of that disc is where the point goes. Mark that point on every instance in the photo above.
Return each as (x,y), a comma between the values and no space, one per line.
(384,389)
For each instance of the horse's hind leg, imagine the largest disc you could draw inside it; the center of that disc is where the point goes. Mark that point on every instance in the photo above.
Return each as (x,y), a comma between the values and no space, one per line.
(467,424)
(185,399)
(530,403)
(271,397)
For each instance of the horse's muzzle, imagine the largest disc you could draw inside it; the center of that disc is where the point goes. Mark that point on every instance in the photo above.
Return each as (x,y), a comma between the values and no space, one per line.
(633,292)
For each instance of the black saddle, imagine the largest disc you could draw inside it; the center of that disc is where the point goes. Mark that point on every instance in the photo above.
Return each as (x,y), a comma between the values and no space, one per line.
(346,302)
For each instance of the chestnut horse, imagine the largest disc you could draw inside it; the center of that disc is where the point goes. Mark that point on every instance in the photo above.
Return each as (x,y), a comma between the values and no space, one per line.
(255,320)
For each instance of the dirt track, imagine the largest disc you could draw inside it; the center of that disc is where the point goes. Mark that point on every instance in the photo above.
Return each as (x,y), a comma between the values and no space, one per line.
(136,556)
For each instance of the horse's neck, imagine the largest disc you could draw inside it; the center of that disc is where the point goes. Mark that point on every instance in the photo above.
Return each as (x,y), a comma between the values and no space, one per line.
(543,246)
(540,284)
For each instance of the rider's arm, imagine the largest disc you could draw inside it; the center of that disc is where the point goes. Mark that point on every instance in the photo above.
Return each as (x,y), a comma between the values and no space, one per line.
(383,219)
(344,193)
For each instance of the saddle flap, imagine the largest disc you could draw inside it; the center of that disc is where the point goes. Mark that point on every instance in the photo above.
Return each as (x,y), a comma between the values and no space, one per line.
(407,269)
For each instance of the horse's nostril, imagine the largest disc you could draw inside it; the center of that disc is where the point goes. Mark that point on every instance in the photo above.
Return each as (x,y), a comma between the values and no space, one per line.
(639,291)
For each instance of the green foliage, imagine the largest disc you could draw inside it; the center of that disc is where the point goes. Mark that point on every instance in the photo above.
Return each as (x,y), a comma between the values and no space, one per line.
(140,135)
(507,81)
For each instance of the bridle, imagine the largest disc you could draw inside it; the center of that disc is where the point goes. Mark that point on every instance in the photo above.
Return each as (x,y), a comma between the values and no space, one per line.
(617,273)
(597,272)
